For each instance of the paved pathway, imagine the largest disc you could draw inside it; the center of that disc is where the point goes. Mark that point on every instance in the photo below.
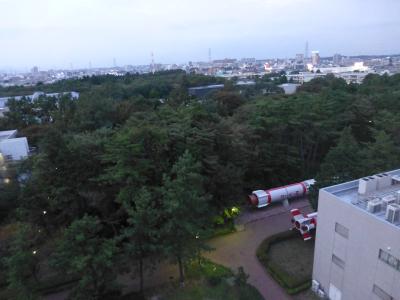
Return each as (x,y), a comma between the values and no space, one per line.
(239,249)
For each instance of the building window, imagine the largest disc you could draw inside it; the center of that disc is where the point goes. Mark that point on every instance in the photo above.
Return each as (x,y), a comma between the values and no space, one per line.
(381,293)
(341,230)
(337,261)
(389,259)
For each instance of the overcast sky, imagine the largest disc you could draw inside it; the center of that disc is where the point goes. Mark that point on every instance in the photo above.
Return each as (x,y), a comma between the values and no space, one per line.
(56,33)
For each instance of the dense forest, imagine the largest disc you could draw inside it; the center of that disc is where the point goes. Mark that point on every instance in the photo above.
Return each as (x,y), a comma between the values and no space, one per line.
(138,168)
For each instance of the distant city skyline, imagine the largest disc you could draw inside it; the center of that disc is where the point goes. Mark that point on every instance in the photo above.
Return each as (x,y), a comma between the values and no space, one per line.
(58,34)
(36,68)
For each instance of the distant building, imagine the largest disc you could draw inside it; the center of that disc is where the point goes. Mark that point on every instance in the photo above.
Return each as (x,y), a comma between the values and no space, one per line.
(356,67)
(303,77)
(11,147)
(249,60)
(35,70)
(33,97)
(357,248)
(299,58)
(202,91)
(346,73)
(315,58)
(337,59)
(289,88)
(353,77)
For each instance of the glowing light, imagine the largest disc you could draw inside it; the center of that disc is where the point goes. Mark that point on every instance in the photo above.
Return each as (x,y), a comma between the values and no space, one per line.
(7,180)
(44,212)
(235,210)
(197,236)
(34,252)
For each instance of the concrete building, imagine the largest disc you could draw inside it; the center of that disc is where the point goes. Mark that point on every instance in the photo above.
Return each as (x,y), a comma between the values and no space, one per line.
(357,250)
(315,58)
(289,88)
(201,91)
(356,67)
(303,77)
(35,70)
(354,77)
(337,59)
(12,147)
(299,58)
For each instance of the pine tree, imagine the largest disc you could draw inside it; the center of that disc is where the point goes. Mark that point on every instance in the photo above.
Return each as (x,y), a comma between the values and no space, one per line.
(83,251)
(142,232)
(186,211)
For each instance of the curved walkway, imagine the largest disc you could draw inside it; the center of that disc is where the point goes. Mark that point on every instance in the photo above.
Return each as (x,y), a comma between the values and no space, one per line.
(239,249)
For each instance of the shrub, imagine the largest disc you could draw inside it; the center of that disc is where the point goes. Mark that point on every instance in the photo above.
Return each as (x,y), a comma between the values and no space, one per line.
(241,277)
(290,284)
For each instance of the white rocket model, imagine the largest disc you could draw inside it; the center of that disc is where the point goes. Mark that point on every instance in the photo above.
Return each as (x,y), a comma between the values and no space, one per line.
(304,223)
(261,198)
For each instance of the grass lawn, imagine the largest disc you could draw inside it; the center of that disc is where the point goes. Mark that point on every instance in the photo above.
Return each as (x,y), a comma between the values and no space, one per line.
(289,259)
(294,257)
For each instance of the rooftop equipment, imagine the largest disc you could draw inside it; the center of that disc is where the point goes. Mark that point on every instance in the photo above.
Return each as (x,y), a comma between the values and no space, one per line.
(374,206)
(393,213)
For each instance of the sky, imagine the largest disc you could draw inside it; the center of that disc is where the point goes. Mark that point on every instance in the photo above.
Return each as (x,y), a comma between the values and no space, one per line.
(65,33)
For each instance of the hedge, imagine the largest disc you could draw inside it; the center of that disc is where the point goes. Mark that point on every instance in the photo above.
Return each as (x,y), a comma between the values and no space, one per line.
(290,284)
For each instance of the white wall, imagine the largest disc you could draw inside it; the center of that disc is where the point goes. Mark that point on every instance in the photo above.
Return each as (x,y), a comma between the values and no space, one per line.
(18,148)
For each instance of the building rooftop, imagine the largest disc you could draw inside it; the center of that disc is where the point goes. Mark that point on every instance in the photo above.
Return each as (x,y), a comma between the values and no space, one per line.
(377,195)
(7,134)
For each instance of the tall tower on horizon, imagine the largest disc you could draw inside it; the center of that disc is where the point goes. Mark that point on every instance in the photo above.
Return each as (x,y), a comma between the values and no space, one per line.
(152,66)
(306,51)
(209,55)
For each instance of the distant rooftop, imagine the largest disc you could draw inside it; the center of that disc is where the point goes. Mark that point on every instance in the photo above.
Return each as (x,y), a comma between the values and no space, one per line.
(211,86)
(36,95)
(7,134)
(377,195)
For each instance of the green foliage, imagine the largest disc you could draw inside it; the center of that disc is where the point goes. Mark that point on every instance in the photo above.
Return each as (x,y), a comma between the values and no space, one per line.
(185,205)
(381,154)
(142,233)
(152,163)
(241,277)
(62,180)
(136,155)
(82,250)
(209,281)
(212,273)
(22,264)
(293,275)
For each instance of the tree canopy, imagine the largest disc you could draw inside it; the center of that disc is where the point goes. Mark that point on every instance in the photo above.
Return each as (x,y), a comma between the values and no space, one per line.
(138,167)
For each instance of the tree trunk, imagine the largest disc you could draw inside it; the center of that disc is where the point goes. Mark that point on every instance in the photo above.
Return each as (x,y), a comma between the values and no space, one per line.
(141,274)
(181,273)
